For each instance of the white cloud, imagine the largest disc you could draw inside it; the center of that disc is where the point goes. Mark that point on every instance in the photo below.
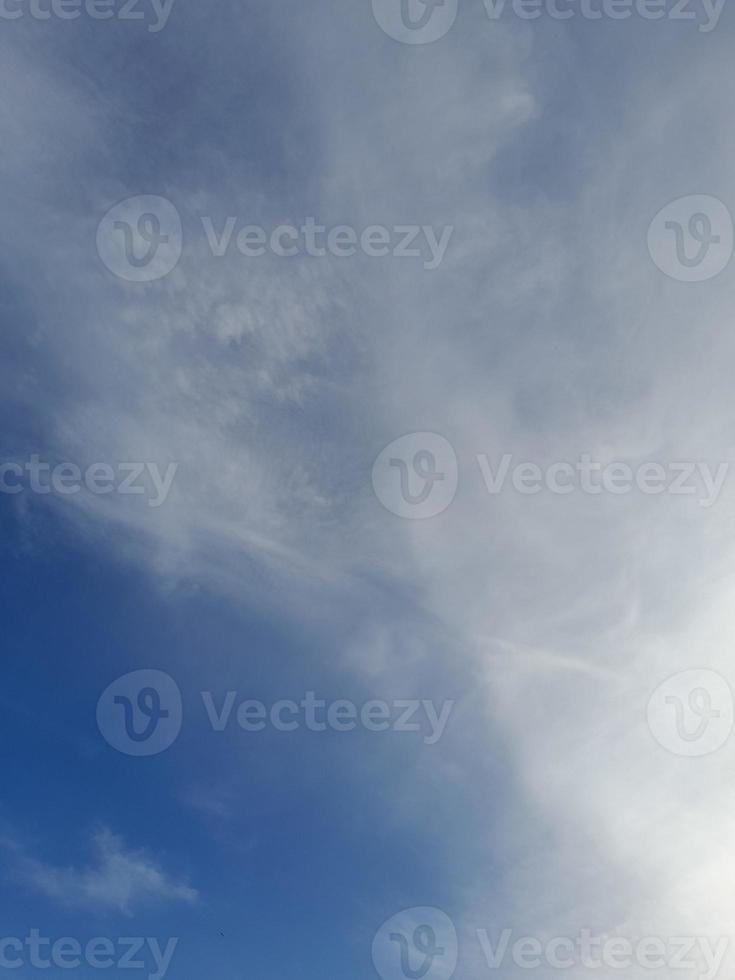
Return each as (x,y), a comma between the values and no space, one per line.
(121,879)
(546,332)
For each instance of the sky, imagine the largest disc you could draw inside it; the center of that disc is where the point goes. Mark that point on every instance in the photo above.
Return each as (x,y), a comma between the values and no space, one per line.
(365,492)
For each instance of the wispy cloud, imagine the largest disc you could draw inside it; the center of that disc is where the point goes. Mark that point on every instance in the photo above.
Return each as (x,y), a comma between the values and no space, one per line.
(546,332)
(120,879)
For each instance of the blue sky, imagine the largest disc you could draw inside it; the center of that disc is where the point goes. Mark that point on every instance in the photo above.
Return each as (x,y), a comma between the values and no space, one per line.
(263,827)
(276,563)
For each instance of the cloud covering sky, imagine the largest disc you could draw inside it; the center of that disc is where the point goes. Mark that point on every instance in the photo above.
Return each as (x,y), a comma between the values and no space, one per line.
(272,569)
